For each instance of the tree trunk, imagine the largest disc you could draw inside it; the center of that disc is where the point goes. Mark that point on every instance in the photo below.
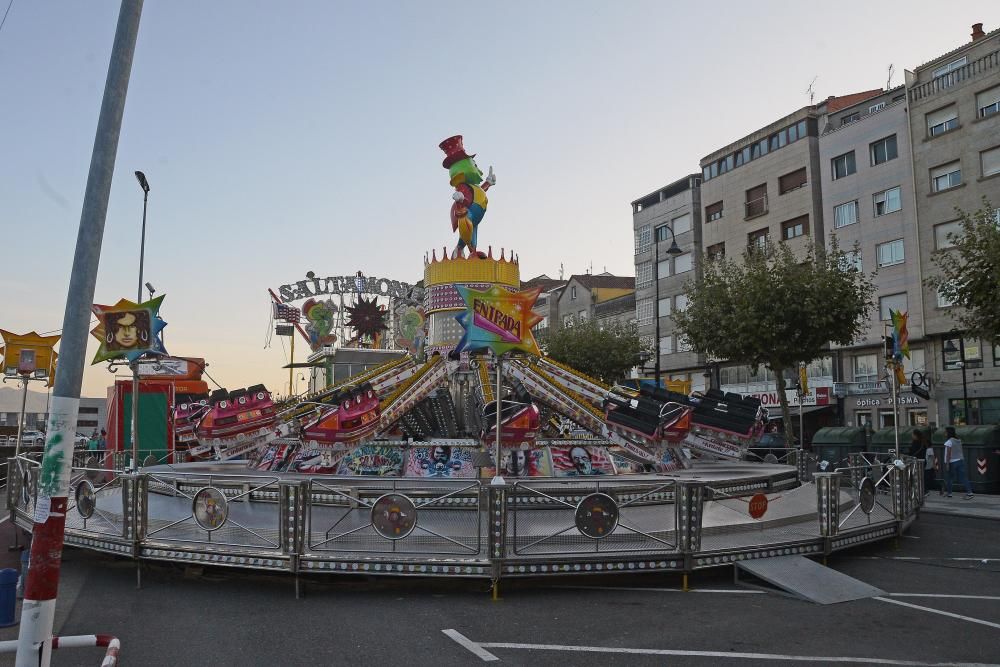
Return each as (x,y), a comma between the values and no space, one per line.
(786,414)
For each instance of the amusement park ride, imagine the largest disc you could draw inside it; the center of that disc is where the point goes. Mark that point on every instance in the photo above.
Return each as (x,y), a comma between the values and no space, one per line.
(429,412)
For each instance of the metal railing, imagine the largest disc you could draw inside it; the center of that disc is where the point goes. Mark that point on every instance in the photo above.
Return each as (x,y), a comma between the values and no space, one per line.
(952,78)
(463,526)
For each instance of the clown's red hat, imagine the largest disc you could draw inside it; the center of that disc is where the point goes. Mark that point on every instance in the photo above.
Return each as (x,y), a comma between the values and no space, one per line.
(454,151)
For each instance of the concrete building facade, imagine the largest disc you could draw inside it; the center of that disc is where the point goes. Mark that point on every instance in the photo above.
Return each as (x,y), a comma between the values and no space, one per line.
(954,116)
(671,213)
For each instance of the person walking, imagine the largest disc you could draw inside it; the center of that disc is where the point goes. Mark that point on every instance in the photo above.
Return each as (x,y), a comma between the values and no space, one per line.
(954,463)
(920,447)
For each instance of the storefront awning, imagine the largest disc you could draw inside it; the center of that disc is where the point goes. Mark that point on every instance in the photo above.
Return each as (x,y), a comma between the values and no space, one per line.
(775,412)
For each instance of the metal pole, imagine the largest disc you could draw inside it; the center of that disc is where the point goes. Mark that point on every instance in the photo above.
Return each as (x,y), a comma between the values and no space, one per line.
(291,365)
(802,400)
(656,307)
(498,477)
(895,403)
(20,421)
(965,387)
(135,416)
(34,648)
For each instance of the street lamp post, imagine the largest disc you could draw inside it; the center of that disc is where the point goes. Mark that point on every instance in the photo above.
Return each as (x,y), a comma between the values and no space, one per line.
(144,184)
(673,251)
(950,347)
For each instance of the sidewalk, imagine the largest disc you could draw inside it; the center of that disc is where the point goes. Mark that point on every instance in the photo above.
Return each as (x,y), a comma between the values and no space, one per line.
(982,506)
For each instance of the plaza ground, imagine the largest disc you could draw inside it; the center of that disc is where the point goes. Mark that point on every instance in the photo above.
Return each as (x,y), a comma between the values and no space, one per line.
(942,606)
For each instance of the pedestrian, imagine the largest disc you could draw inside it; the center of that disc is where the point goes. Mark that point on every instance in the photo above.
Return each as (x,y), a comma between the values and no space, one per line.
(920,447)
(102,442)
(92,443)
(954,463)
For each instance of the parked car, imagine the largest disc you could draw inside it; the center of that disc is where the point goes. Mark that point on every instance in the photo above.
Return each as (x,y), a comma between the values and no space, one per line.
(36,438)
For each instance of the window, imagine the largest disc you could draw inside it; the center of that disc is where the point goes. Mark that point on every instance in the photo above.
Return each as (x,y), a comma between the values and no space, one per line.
(845,214)
(663,268)
(947,75)
(988,102)
(643,237)
(945,230)
(681,302)
(996,354)
(572,292)
(843,165)
(683,263)
(876,107)
(681,223)
(87,411)
(664,305)
(795,227)
(990,161)
(683,344)
(849,118)
(883,150)
(713,212)
(887,201)
(567,320)
(716,252)
(643,274)
(666,345)
(890,253)
(954,350)
(581,316)
(643,311)
(851,261)
(756,200)
(943,301)
(942,120)
(946,176)
(866,368)
(890,302)
(792,181)
(758,240)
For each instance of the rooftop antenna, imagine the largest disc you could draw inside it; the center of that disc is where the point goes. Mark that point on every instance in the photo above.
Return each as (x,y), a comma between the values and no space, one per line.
(888,83)
(560,270)
(811,90)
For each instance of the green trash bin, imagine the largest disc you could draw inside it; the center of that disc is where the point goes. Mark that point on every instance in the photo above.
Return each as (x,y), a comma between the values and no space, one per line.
(981,450)
(884,440)
(835,444)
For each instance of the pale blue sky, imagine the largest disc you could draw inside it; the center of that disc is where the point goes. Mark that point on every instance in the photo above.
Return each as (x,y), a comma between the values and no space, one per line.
(281,137)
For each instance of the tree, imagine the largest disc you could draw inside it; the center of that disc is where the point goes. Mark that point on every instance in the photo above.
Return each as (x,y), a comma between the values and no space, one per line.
(970,272)
(607,354)
(774,309)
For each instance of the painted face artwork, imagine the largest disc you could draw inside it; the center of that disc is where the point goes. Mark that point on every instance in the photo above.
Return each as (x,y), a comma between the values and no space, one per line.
(126,334)
(581,460)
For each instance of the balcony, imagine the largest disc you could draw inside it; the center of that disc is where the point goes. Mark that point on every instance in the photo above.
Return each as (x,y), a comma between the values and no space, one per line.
(987,63)
(755,208)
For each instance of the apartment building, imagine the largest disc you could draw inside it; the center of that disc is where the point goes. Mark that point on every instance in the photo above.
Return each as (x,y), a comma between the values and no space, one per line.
(547,304)
(954,116)
(672,213)
(869,203)
(582,293)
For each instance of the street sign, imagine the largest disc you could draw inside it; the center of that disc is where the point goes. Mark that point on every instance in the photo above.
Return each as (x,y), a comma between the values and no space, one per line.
(758,505)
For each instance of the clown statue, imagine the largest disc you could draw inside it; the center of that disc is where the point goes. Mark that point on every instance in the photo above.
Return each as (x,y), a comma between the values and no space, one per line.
(470,193)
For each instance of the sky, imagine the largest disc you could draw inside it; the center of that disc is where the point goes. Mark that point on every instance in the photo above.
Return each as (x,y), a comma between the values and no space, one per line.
(280,138)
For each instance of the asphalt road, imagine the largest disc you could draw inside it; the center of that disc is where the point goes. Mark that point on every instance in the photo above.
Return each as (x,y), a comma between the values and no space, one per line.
(226,617)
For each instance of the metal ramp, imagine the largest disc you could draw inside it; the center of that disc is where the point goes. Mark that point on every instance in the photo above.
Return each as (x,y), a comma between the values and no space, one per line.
(800,577)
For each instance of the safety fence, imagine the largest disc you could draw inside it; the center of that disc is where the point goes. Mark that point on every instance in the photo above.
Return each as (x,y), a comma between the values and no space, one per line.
(469,527)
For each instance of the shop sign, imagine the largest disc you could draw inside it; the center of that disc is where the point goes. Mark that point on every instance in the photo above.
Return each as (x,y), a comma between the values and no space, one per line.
(861,388)
(816,396)
(905,399)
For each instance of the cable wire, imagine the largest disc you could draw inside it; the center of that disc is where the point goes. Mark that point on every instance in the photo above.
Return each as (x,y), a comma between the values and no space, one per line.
(5,14)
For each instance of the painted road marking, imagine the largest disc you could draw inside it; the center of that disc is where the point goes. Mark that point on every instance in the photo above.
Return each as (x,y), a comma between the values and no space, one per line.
(473,647)
(478,649)
(943,613)
(954,596)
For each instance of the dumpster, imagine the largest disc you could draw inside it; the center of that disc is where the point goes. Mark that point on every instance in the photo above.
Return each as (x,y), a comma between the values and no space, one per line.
(884,440)
(834,444)
(981,449)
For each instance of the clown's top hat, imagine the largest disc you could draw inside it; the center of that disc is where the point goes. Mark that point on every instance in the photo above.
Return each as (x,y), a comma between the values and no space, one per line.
(454,151)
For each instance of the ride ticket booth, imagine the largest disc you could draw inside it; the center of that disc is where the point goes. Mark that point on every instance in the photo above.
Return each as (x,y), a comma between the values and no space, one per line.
(156,431)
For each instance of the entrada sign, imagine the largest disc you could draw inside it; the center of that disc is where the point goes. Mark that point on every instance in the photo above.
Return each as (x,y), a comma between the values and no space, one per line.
(313,286)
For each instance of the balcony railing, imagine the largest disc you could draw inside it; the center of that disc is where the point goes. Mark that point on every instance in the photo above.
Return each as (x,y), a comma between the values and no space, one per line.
(940,83)
(755,207)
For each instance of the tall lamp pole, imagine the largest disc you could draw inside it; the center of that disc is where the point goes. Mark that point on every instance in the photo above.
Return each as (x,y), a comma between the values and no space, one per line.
(673,251)
(950,347)
(144,184)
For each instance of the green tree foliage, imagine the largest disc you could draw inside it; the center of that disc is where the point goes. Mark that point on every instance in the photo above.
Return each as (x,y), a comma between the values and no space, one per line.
(774,309)
(606,354)
(969,273)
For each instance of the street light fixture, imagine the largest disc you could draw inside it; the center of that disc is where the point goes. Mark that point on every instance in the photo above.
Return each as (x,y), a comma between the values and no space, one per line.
(144,184)
(673,251)
(950,348)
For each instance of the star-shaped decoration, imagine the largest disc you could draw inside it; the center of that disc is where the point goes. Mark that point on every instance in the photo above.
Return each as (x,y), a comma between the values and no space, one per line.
(498,320)
(128,329)
(366,317)
(44,356)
